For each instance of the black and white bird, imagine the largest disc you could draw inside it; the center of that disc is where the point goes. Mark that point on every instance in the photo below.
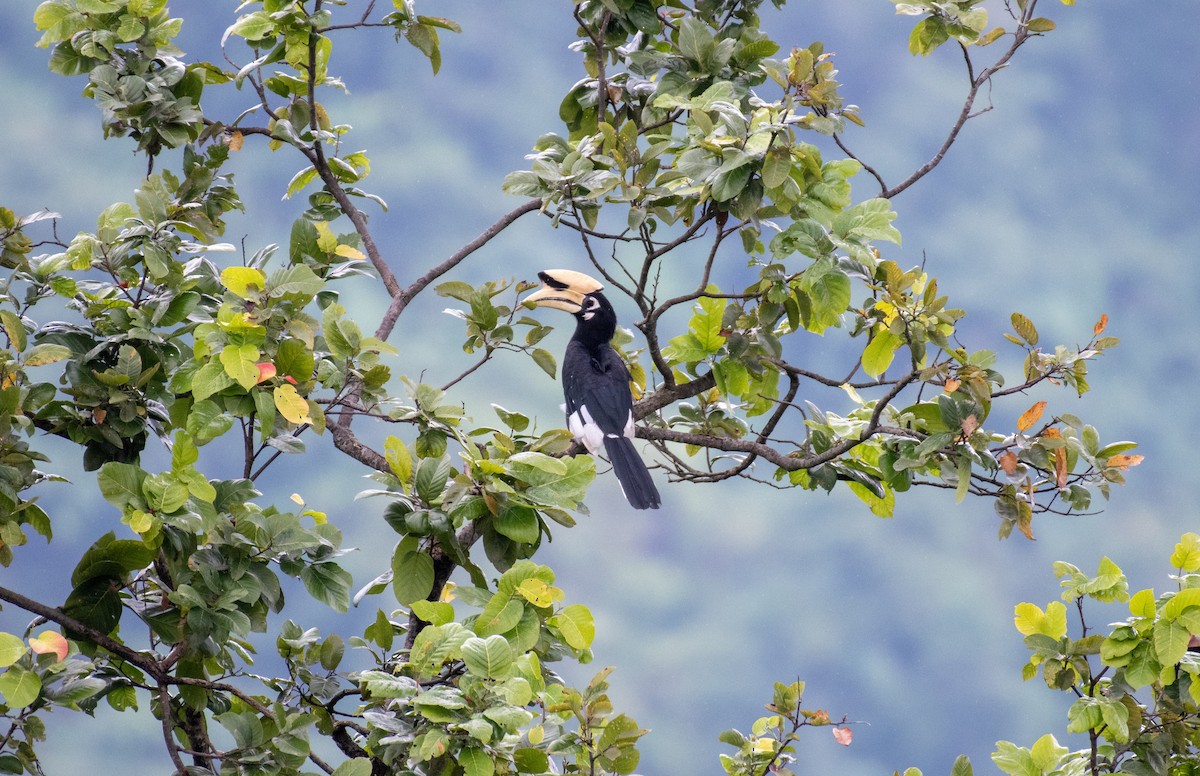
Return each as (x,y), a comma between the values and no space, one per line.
(596,381)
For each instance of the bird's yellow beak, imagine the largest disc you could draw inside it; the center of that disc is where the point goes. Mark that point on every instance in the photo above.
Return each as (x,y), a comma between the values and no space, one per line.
(563,289)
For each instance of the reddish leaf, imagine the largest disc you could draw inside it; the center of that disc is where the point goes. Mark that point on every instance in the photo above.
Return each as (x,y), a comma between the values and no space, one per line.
(843,735)
(969,425)
(50,642)
(952,384)
(1030,416)
(1101,325)
(266,371)
(1008,462)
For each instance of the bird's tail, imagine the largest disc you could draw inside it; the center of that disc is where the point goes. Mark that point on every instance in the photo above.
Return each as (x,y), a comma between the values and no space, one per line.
(632,473)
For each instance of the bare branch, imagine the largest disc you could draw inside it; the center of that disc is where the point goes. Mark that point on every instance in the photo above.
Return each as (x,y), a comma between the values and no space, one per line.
(401,299)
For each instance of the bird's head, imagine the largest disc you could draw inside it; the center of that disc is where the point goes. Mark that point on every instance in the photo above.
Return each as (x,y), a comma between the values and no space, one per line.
(567,290)
(578,294)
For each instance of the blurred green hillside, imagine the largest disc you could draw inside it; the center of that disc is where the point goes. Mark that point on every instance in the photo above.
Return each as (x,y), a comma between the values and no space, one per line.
(1077,195)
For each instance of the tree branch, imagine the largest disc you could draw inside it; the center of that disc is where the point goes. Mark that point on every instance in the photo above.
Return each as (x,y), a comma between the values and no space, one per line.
(401,299)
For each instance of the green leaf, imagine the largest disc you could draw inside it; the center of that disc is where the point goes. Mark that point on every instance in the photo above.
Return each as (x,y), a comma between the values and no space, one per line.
(518,523)
(530,760)
(425,38)
(208,380)
(433,612)
(490,657)
(207,421)
(431,478)
(1040,24)
(927,36)
(121,484)
(544,359)
(962,766)
(20,687)
(328,583)
(475,762)
(500,615)
(252,27)
(828,290)
(412,573)
(296,280)
(359,766)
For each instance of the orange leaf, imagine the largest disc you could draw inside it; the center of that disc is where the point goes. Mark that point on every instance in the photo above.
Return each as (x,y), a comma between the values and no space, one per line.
(50,642)
(952,384)
(1030,416)
(843,735)
(1060,468)
(1101,325)
(1008,462)
(1125,461)
(266,370)
(1052,433)
(969,424)
(236,139)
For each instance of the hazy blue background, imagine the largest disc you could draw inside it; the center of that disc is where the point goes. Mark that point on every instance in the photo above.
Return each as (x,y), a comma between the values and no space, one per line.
(1076,196)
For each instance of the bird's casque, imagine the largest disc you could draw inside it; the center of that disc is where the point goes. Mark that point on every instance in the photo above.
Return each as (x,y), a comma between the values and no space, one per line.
(599,404)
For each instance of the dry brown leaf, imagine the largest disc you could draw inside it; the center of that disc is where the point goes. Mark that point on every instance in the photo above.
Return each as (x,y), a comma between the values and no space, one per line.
(1008,462)
(1123,462)
(1060,468)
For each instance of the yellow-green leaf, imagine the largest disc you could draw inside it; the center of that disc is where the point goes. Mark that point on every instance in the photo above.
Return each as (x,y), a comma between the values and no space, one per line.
(576,625)
(291,405)
(14,329)
(1025,329)
(241,363)
(399,460)
(1030,619)
(1186,556)
(246,282)
(1142,603)
(11,649)
(19,687)
(47,353)
(878,355)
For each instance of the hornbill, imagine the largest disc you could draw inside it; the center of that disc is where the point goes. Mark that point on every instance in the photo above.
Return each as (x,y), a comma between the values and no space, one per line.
(596,381)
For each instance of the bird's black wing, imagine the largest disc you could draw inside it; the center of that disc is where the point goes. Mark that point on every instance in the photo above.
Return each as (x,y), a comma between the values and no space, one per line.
(596,387)
(600,412)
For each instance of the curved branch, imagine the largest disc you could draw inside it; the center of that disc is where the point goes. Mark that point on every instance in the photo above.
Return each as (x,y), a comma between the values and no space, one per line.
(1020,36)
(401,299)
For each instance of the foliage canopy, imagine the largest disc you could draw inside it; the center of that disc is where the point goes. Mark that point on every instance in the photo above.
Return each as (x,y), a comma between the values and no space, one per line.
(689,165)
